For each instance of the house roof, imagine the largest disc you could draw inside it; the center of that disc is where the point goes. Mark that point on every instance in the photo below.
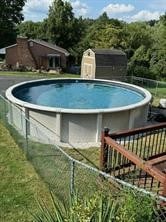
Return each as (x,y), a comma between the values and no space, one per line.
(110,57)
(50,45)
(46,44)
(10,46)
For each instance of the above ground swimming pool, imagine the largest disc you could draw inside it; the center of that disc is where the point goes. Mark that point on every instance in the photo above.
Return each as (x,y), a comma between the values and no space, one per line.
(76,110)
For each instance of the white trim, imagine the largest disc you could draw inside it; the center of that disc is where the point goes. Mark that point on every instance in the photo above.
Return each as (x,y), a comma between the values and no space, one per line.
(10,46)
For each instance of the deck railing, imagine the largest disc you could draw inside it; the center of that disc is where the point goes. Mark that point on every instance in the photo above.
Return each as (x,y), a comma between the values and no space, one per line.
(137,156)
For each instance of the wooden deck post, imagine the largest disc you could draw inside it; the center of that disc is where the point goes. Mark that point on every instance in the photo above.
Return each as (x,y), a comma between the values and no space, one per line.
(164,189)
(104,150)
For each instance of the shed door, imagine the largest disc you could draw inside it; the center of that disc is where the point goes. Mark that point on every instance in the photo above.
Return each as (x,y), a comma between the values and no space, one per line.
(88,70)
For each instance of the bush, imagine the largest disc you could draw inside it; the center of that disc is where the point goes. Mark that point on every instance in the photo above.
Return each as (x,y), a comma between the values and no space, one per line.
(128,207)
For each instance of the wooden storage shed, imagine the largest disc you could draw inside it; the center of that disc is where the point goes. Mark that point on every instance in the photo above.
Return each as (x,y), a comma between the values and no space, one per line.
(103,64)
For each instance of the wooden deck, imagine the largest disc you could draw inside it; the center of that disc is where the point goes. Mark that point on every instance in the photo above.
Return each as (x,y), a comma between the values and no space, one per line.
(137,156)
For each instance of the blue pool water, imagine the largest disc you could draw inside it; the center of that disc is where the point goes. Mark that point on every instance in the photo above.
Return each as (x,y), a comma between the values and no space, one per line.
(77,95)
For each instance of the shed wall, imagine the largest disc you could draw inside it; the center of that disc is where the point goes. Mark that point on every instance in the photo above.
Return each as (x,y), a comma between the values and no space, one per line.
(111,72)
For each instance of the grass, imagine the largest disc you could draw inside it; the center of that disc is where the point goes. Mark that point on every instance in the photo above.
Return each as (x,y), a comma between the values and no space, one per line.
(158,91)
(38,75)
(90,156)
(20,185)
(55,168)
(157,94)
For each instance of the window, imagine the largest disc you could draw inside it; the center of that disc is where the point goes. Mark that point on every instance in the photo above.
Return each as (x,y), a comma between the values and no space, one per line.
(51,62)
(54,62)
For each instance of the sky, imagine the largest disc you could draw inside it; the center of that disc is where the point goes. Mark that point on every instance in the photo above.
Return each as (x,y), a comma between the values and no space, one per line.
(127,10)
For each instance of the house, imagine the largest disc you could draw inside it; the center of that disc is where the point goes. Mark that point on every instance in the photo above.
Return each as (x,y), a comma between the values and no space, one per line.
(36,54)
(103,64)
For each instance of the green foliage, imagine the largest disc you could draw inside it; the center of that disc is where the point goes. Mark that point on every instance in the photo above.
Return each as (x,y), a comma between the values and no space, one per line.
(63,28)
(34,30)
(139,33)
(158,59)
(135,207)
(127,207)
(10,15)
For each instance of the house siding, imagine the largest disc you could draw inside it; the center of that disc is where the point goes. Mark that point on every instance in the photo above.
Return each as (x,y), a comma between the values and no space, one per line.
(40,53)
(11,56)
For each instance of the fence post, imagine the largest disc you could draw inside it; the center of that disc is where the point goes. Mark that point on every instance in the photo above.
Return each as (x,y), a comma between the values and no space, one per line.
(104,150)
(5,112)
(27,131)
(157,84)
(2,114)
(72,175)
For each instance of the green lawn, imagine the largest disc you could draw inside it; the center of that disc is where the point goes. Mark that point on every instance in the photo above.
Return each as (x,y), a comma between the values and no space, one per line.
(90,156)
(38,75)
(157,94)
(20,185)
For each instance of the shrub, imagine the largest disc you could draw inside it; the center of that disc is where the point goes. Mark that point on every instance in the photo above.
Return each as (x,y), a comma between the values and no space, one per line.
(128,207)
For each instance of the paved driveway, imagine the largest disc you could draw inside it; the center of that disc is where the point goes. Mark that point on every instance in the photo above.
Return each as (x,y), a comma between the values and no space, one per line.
(6,81)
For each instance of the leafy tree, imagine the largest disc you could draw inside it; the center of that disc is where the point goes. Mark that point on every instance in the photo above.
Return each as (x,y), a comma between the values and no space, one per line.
(158,59)
(10,16)
(34,30)
(139,33)
(63,28)
(140,62)
(138,47)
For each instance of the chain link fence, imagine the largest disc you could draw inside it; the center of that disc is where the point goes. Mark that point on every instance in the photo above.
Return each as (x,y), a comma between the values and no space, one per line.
(64,174)
(157,88)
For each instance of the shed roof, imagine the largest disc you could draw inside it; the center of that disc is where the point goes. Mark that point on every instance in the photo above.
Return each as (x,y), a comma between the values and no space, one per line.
(110,57)
(108,51)
(50,45)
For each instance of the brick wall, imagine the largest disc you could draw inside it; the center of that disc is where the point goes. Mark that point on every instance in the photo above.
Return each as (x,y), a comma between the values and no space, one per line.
(25,57)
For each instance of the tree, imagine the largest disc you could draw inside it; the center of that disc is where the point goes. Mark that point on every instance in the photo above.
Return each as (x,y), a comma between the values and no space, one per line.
(139,42)
(34,30)
(139,33)
(63,28)
(158,59)
(106,33)
(10,16)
